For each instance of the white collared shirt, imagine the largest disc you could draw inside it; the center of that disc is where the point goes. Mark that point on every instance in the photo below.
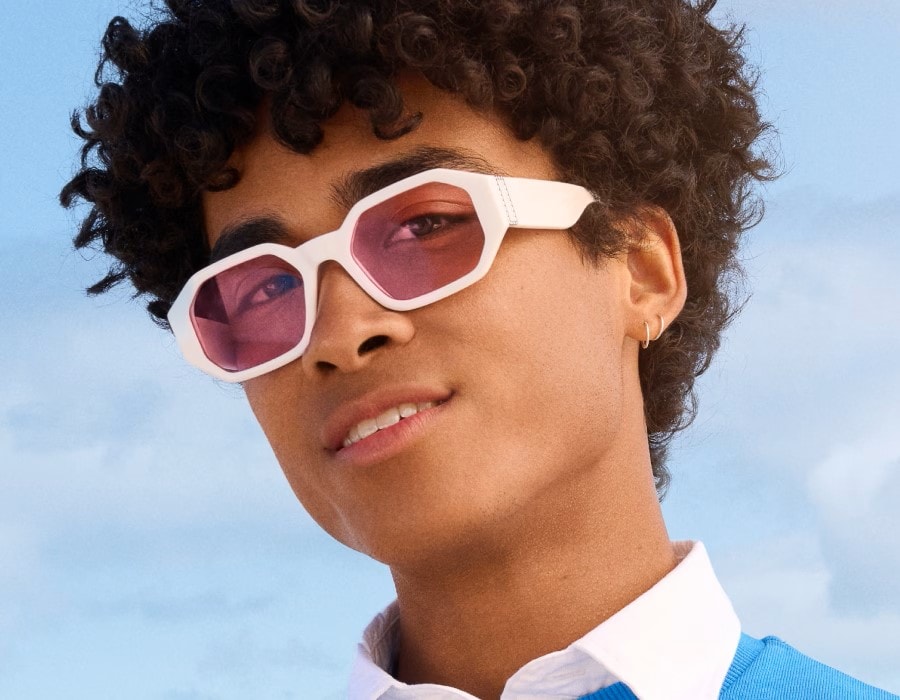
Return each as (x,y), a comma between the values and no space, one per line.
(676,641)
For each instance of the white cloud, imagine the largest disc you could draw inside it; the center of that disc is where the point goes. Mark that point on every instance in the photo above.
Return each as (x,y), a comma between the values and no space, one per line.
(856,489)
(158,475)
(780,586)
(811,361)
(851,478)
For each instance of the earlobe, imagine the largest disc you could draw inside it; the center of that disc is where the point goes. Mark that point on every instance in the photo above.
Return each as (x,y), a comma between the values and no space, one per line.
(658,288)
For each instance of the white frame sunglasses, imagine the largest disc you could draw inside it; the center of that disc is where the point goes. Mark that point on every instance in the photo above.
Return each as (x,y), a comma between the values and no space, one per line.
(500,203)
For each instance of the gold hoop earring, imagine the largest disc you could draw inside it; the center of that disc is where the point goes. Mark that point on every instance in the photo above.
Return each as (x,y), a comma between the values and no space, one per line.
(662,327)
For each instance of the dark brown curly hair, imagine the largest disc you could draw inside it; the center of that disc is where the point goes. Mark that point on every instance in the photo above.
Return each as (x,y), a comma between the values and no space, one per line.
(641,101)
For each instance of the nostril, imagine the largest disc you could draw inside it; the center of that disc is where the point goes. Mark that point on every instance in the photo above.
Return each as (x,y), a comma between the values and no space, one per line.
(373,343)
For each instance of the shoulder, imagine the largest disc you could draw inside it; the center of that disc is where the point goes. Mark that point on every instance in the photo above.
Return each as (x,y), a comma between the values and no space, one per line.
(771,668)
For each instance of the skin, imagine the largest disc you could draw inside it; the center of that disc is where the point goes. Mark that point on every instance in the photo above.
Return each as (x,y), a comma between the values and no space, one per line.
(527,514)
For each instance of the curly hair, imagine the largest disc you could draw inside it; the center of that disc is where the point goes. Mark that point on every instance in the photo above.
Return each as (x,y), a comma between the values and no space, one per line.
(641,101)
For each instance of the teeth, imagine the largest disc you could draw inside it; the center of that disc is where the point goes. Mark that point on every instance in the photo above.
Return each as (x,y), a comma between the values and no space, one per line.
(388,418)
(392,416)
(367,427)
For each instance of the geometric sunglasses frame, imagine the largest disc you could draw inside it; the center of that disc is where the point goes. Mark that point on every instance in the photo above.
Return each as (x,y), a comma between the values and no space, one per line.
(500,203)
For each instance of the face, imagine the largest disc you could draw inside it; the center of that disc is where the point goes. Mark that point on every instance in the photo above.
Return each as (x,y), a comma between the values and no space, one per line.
(526,367)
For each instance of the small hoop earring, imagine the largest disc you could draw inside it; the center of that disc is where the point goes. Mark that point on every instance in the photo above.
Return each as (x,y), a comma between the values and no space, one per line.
(662,327)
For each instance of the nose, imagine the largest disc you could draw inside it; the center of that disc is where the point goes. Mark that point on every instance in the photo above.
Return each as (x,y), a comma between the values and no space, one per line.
(350,328)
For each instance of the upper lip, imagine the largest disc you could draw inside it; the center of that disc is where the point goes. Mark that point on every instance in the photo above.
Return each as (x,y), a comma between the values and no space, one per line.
(372,405)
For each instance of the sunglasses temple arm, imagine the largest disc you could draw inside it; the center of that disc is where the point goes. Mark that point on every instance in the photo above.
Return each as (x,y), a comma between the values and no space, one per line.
(543,204)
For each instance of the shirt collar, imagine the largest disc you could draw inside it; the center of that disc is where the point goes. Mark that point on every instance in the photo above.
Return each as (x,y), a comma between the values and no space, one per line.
(676,640)
(369,678)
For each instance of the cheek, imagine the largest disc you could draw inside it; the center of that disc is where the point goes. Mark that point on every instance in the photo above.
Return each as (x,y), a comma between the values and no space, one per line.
(546,351)
(558,314)
(275,402)
(267,397)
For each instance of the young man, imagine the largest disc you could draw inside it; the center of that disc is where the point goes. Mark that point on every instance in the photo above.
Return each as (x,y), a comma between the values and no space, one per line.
(467,261)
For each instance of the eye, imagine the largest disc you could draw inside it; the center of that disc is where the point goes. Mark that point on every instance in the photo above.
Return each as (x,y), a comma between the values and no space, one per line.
(270,289)
(425,225)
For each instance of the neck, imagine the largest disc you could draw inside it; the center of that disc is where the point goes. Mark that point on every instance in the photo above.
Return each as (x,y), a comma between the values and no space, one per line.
(539,584)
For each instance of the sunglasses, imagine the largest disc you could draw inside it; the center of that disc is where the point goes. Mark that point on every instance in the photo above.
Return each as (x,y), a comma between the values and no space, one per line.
(410,244)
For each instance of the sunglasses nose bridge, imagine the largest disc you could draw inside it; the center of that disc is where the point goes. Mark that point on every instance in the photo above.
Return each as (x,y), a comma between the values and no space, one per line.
(328,248)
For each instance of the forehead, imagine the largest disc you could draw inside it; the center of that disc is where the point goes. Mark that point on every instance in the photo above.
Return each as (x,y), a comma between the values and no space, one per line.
(300,189)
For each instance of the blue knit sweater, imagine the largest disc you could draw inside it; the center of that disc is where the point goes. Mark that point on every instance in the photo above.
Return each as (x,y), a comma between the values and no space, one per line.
(769,669)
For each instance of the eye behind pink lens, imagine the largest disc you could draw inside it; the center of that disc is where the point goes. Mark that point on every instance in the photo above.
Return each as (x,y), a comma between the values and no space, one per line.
(250,313)
(419,241)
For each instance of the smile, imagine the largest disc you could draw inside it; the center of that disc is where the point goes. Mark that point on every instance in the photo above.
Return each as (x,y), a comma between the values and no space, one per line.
(390,417)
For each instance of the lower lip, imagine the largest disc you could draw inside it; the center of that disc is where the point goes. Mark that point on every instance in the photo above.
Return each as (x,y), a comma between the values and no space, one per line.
(387,442)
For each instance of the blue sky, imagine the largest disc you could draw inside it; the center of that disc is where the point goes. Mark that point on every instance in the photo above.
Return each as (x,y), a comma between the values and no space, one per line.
(150,547)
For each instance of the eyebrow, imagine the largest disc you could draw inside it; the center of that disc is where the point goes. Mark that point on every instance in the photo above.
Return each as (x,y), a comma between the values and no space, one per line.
(361,183)
(246,234)
(349,189)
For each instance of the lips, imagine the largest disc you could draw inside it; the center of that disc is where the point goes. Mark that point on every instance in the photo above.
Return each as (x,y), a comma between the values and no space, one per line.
(372,405)
(390,417)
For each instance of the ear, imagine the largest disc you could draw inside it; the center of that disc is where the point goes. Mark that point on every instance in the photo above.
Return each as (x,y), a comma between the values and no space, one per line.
(656,273)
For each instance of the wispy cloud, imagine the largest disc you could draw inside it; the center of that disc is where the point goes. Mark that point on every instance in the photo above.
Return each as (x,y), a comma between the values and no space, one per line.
(191,608)
(810,363)
(781,586)
(856,489)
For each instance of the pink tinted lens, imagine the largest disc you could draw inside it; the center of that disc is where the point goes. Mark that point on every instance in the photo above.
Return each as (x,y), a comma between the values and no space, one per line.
(250,313)
(419,241)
